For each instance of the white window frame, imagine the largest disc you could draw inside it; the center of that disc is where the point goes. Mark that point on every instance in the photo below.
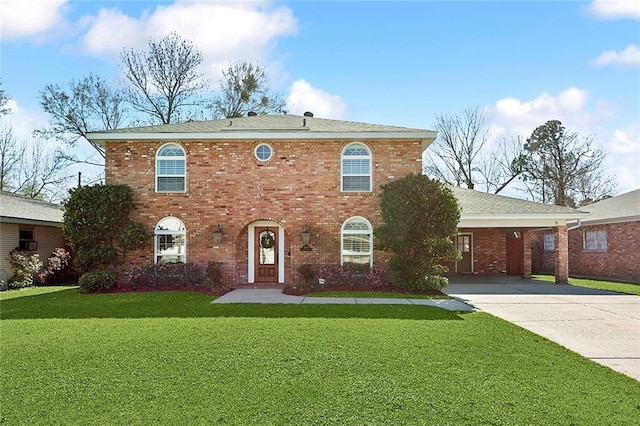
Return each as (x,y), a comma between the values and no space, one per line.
(599,239)
(255,152)
(179,232)
(182,175)
(368,157)
(368,231)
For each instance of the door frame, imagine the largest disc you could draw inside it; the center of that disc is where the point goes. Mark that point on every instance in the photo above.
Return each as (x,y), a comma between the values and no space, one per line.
(251,272)
(470,234)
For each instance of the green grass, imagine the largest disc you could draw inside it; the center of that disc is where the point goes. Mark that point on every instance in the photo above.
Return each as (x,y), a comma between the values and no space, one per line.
(619,287)
(108,359)
(377,295)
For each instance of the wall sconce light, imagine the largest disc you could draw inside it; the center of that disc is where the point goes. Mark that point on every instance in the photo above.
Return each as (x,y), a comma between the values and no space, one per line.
(217,235)
(306,234)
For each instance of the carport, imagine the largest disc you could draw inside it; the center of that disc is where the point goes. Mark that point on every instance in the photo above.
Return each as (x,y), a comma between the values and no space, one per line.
(495,233)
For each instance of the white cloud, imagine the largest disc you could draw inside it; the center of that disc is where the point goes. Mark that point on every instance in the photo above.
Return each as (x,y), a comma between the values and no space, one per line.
(570,107)
(27,18)
(613,9)
(223,31)
(304,97)
(24,121)
(630,57)
(623,156)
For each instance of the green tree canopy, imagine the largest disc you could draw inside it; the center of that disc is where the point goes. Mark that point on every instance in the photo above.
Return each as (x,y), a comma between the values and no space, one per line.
(420,216)
(95,218)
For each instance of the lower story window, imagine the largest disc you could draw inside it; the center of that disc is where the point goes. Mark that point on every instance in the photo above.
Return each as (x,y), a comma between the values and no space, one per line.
(595,240)
(27,239)
(170,241)
(357,241)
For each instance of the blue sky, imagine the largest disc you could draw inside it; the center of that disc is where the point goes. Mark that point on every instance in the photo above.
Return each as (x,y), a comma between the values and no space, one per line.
(396,63)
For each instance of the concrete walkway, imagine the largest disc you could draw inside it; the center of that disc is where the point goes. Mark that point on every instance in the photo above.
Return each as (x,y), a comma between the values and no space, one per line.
(600,325)
(276,296)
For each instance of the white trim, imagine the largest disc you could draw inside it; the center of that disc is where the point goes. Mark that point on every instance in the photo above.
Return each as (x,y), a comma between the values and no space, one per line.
(255,152)
(168,232)
(512,221)
(360,157)
(426,136)
(251,278)
(367,232)
(155,165)
(470,248)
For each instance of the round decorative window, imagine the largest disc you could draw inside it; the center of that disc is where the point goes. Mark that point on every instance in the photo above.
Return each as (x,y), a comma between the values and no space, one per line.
(263,152)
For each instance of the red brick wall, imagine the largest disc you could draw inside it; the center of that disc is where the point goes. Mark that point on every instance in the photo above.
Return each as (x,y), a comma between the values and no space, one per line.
(489,250)
(227,185)
(620,261)
(542,261)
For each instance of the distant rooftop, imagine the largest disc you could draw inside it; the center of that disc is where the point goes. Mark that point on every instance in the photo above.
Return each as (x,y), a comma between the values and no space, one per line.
(20,209)
(621,208)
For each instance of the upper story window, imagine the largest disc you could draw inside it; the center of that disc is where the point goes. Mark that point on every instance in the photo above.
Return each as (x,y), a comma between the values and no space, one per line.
(356,168)
(263,152)
(595,240)
(170,241)
(171,169)
(357,241)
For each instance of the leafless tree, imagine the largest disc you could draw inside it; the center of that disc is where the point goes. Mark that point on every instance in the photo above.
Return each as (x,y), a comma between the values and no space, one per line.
(4,98)
(564,168)
(11,154)
(80,107)
(502,165)
(164,81)
(36,169)
(245,88)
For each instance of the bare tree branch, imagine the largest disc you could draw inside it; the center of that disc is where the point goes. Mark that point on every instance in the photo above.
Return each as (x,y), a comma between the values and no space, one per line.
(164,80)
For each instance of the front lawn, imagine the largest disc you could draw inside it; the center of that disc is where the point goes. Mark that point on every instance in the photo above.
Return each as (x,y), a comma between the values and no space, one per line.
(619,287)
(173,358)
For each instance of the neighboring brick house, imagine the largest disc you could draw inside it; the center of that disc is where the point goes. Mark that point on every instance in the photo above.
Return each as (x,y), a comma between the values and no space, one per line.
(28,224)
(607,243)
(264,194)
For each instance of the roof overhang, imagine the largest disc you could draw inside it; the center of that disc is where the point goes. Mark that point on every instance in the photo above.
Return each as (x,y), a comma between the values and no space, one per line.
(33,222)
(100,138)
(517,221)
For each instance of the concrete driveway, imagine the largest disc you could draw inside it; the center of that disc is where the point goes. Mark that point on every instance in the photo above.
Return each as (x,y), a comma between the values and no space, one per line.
(600,325)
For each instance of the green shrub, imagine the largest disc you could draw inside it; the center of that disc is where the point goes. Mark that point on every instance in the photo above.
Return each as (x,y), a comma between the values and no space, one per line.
(90,282)
(420,215)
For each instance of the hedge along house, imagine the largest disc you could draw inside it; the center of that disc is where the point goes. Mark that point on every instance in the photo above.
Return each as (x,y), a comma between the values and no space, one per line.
(261,194)
(495,234)
(27,224)
(606,244)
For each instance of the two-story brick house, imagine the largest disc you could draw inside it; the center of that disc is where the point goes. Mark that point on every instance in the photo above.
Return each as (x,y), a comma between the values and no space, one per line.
(262,181)
(264,194)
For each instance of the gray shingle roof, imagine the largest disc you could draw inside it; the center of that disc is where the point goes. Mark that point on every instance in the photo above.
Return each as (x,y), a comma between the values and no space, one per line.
(621,208)
(266,123)
(481,203)
(19,209)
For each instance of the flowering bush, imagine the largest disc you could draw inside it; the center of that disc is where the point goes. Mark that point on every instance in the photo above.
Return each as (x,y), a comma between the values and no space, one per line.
(167,275)
(26,267)
(57,266)
(353,275)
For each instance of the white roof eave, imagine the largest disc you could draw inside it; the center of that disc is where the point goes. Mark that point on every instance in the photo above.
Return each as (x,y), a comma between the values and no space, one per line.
(253,135)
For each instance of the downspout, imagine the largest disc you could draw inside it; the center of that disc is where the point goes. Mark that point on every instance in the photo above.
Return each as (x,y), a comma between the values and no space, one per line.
(576,226)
